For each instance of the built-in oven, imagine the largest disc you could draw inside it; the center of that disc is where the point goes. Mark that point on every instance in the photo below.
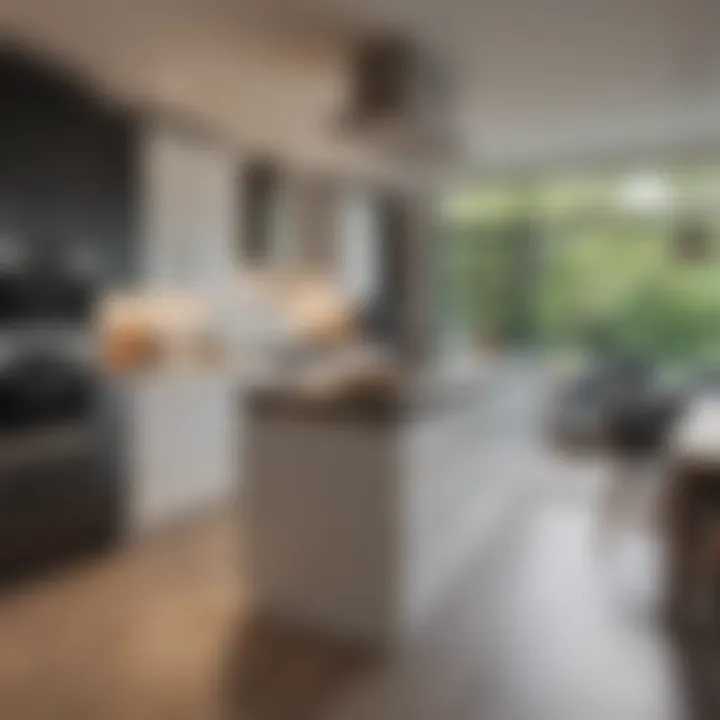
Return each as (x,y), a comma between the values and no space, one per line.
(59,495)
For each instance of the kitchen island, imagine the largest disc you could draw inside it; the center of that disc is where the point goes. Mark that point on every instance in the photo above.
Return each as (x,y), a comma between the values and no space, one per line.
(360,512)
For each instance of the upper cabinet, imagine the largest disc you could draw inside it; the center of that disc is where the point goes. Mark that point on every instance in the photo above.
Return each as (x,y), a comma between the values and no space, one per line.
(190,213)
(67,171)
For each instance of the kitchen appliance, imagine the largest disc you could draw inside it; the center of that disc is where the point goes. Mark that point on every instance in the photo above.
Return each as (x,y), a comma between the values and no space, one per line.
(59,490)
(68,212)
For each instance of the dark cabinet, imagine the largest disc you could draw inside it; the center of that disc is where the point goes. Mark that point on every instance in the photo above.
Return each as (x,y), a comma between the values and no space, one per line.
(260,188)
(68,166)
(55,503)
(68,204)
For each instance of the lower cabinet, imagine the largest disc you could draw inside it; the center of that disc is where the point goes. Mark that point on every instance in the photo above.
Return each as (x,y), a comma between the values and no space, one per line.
(56,504)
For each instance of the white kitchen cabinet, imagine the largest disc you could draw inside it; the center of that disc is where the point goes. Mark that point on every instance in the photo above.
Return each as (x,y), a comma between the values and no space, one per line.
(184,429)
(184,448)
(360,519)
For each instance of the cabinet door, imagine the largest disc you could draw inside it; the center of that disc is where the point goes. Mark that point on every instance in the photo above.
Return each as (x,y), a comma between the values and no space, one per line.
(53,509)
(183,448)
(189,202)
(91,207)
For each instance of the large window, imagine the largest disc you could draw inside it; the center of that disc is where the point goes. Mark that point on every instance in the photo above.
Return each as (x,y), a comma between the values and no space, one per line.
(628,265)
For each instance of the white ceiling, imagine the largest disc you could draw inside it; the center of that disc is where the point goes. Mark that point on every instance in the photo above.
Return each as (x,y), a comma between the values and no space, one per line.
(542,81)
(558,80)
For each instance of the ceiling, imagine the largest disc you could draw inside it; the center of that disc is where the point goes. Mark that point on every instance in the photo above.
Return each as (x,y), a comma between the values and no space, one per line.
(546,81)
(541,82)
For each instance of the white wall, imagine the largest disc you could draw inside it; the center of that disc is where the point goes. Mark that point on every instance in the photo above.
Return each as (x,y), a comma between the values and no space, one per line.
(317,211)
(358,251)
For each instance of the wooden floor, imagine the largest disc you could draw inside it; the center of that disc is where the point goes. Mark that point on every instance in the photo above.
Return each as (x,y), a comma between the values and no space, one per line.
(553,622)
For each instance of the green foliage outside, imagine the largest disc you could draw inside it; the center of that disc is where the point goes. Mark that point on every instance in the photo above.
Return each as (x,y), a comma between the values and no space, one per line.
(573,264)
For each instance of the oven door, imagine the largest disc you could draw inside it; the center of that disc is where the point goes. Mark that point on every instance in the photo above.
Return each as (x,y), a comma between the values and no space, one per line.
(58,494)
